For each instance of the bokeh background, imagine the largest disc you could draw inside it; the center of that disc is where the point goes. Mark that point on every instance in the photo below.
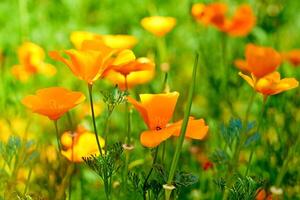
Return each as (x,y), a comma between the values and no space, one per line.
(49,24)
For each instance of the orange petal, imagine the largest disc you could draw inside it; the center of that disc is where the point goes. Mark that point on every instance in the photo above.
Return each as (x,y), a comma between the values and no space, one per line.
(153,138)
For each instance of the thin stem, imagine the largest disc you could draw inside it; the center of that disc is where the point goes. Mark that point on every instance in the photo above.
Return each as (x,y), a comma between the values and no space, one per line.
(150,172)
(257,131)
(70,120)
(127,115)
(183,128)
(28,180)
(57,135)
(90,88)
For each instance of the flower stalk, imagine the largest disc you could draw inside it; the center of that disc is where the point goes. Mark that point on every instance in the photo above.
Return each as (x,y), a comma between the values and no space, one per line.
(183,129)
(90,89)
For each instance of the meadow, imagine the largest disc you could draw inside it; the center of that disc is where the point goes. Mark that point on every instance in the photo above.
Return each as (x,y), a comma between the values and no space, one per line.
(149,99)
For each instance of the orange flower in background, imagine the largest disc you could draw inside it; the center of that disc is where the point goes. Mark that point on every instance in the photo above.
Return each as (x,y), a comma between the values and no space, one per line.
(270,84)
(211,14)
(242,21)
(53,102)
(214,14)
(112,41)
(79,144)
(137,71)
(31,58)
(292,57)
(158,25)
(157,110)
(260,61)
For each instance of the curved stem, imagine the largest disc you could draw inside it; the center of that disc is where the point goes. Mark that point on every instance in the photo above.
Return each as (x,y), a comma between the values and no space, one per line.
(183,128)
(90,88)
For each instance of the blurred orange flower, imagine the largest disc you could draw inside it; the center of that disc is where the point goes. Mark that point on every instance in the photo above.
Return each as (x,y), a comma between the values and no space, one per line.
(31,58)
(211,14)
(79,144)
(270,84)
(214,14)
(112,41)
(292,57)
(242,21)
(158,25)
(157,110)
(260,61)
(53,102)
(134,72)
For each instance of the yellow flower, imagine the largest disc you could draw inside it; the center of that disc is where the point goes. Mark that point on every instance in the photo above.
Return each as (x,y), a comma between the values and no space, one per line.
(81,144)
(270,84)
(31,58)
(112,41)
(158,25)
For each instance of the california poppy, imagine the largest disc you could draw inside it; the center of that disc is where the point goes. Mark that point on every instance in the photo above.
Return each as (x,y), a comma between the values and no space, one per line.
(214,14)
(53,102)
(211,14)
(137,71)
(260,61)
(242,21)
(91,61)
(292,57)
(119,41)
(79,144)
(31,58)
(158,25)
(157,111)
(270,84)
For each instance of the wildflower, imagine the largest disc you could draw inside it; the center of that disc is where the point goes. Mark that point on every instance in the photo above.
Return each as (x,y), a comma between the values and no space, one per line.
(214,14)
(157,110)
(270,84)
(260,61)
(31,58)
(79,144)
(292,57)
(242,21)
(53,102)
(93,60)
(211,14)
(113,41)
(158,25)
(137,71)
(263,195)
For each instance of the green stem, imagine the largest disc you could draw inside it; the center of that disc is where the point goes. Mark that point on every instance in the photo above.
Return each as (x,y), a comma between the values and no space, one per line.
(28,180)
(183,127)
(257,131)
(90,88)
(161,47)
(150,172)
(57,136)
(70,120)
(128,120)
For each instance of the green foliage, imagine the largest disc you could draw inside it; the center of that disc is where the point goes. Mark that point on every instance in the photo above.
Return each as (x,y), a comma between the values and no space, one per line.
(107,164)
(113,97)
(244,188)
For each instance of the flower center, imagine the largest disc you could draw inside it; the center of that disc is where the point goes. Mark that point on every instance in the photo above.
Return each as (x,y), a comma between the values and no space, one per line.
(157,128)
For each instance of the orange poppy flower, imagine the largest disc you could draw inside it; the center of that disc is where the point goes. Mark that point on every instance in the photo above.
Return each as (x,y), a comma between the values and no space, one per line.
(242,21)
(292,57)
(158,25)
(270,84)
(214,14)
(137,71)
(31,58)
(260,61)
(211,14)
(79,144)
(92,61)
(112,41)
(53,102)
(157,110)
